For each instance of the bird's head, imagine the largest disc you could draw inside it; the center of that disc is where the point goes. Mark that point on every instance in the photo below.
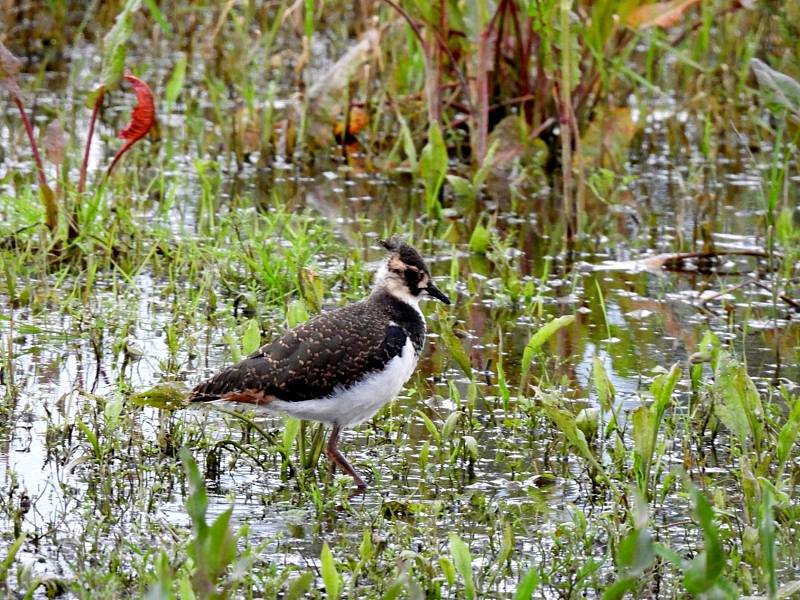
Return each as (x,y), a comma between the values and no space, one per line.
(405,275)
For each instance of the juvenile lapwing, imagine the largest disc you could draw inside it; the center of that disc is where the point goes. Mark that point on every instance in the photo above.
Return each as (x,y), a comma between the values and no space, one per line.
(342,366)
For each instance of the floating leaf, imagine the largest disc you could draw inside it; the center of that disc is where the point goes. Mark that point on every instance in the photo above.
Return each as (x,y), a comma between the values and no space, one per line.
(660,14)
(142,120)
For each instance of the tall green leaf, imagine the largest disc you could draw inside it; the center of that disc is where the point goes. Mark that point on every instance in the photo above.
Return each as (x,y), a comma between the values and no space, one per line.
(330,576)
(544,333)
(433,168)
(463,563)
(115,45)
(251,339)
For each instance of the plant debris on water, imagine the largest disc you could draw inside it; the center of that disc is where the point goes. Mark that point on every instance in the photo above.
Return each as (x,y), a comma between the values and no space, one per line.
(608,191)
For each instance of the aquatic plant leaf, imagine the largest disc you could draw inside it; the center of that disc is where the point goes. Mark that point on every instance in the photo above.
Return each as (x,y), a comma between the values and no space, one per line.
(480,240)
(251,340)
(6,563)
(450,424)
(462,187)
(430,426)
(766,533)
(644,436)
(565,422)
(197,501)
(330,576)
(299,586)
(705,570)
(738,403)
(602,383)
(50,205)
(408,142)
(142,120)
(587,421)
(448,569)
(54,143)
(176,79)
(291,427)
(433,167)
(659,14)
(483,172)
(528,584)
(455,348)
(462,559)
(544,333)
(607,139)
(91,436)
(169,395)
(115,49)
(788,434)
(784,90)
(662,388)
(158,17)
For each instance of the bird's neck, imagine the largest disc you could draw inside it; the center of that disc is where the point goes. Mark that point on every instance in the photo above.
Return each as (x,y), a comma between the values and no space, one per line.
(390,295)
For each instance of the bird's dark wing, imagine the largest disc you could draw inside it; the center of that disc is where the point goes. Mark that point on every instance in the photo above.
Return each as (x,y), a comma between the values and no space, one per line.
(334,349)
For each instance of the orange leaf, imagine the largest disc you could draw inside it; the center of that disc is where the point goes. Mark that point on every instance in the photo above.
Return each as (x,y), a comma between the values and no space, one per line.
(358,120)
(142,120)
(661,14)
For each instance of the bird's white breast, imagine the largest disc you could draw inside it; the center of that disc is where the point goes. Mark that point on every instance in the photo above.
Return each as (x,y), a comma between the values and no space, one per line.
(356,404)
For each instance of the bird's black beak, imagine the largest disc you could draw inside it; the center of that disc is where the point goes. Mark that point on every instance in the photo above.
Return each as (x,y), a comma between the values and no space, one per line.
(435,292)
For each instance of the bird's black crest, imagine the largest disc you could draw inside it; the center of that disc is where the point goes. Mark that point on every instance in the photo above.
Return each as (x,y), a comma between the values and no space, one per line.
(408,254)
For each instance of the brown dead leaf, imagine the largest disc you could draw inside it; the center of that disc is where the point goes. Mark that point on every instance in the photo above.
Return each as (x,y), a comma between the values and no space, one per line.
(660,14)
(53,142)
(10,65)
(607,139)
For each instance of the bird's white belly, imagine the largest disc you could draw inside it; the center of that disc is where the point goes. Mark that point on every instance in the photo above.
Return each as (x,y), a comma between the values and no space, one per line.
(354,405)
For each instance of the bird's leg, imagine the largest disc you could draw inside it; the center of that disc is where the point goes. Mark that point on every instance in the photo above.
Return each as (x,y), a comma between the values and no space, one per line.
(335,458)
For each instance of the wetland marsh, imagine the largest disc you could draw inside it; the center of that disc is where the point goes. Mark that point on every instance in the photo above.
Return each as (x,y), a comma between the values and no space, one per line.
(609,407)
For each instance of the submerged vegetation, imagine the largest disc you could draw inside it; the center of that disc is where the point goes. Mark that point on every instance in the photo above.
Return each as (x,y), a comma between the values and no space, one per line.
(609,189)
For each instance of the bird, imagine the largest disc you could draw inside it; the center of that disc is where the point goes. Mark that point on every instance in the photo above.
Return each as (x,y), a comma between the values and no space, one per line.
(343,365)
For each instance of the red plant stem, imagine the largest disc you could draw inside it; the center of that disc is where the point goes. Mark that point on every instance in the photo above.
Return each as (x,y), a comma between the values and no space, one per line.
(34,147)
(85,165)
